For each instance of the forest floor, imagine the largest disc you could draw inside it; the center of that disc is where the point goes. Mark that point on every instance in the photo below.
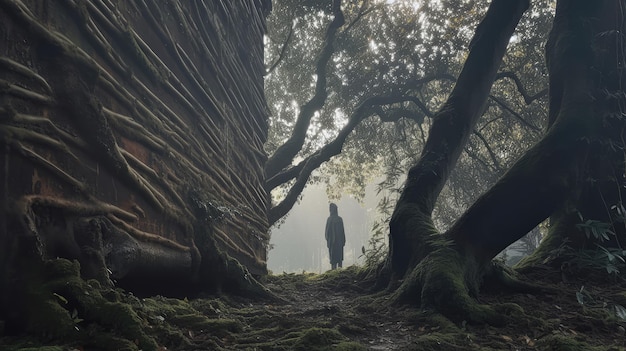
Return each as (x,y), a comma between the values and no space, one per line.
(337,311)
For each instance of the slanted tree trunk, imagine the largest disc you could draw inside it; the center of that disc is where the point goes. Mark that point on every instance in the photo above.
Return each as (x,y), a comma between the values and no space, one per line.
(443,271)
(411,223)
(601,191)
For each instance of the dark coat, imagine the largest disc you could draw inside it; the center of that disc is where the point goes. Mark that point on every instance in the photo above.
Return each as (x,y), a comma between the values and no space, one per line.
(335,238)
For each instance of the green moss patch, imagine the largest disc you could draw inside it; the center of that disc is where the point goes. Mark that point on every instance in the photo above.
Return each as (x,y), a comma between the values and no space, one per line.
(58,307)
(331,311)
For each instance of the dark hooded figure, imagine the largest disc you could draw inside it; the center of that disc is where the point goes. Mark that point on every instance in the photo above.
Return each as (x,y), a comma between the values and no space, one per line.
(335,237)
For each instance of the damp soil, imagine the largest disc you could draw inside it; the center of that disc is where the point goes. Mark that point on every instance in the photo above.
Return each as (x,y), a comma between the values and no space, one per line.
(338,311)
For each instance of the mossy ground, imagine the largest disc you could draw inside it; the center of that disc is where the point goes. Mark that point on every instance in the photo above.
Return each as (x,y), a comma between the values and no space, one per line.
(336,311)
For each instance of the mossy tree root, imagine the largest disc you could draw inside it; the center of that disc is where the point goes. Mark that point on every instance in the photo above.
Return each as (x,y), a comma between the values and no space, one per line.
(59,305)
(446,281)
(500,277)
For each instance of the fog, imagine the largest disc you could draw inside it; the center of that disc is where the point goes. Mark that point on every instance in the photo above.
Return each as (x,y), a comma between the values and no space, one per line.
(298,244)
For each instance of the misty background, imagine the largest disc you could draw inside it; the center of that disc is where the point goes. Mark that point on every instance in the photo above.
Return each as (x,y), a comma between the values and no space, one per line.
(298,244)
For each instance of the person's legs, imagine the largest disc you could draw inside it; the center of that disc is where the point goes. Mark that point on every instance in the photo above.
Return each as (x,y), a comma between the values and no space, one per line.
(333,266)
(339,264)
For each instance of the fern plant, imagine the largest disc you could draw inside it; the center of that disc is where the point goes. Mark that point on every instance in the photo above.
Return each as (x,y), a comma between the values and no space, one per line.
(600,257)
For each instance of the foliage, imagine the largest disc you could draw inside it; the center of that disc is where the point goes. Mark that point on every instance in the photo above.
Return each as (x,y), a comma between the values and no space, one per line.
(377,246)
(595,229)
(601,256)
(587,299)
(403,48)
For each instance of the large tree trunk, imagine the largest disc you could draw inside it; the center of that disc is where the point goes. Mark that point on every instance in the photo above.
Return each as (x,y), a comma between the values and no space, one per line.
(601,190)
(131,140)
(411,223)
(141,126)
(441,272)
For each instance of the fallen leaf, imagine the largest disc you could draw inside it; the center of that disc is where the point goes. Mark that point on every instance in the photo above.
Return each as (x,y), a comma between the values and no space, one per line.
(506,338)
(528,340)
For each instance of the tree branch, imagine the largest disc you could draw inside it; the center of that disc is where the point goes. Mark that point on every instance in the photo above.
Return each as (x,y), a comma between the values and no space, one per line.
(363,11)
(528,99)
(394,115)
(284,176)
(306,167)
(458,116)
(419,82)
(283,50)
(474,156)
(492,154)
(552,174)
(283,156)
(292,172)
(515,114)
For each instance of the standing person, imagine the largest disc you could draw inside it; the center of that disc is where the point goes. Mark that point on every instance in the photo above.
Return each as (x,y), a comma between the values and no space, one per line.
(335,237)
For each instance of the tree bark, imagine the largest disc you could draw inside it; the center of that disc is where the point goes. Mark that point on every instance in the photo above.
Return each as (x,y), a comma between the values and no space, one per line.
(597,50)
(443,272)
(450,131)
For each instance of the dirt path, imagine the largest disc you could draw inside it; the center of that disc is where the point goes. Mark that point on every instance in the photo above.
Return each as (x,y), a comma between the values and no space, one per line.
(316,303)
(321,312)
(334,312)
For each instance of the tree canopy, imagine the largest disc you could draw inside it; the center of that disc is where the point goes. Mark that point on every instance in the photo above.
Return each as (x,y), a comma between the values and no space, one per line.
(391,66)
(461,107)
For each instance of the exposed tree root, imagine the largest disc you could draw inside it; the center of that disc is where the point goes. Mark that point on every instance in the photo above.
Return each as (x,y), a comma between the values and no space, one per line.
(447,282)
(246,284)
(502,278)
(57,304)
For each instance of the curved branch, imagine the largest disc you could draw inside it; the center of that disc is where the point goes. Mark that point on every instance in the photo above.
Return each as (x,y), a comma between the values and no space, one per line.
(474,156)
(363,11)
(283,50)
(421,106)
(396,114)
(419,82)
(284,176)
(293,171)
(459,114)
(515,114)
(492,154)
(306,167)
(283,156)
(520,87)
